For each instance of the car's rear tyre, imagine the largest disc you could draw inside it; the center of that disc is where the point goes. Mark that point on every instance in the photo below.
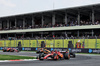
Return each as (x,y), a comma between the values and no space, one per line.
(8,51)
(67,56)
(37,57)
(4,50)
(38,51)
(40,56)
(74,55)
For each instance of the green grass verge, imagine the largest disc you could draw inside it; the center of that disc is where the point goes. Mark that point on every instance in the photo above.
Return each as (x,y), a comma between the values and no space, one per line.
(13,57)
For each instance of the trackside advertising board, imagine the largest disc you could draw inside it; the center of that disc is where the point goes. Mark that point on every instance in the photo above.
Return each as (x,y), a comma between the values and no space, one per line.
(57,43)
(79,50)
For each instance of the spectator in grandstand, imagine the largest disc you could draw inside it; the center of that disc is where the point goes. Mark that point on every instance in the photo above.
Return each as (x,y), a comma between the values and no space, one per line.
(20,27)
(10,28)
(29,27)
(97,22)
(50,25)
(61,37)
(57,25)
(81,22)
(70,23)
(47,26)
(7,28)
(90,23)
(14,27)
(61,25)
(87,23)
(53,36)
(36,26)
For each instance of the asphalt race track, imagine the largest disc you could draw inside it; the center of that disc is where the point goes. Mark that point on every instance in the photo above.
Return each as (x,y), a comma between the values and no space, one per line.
(80,60)
(19,53)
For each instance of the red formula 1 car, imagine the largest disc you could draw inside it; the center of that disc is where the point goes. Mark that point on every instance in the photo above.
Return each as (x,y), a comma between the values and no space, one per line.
(45,51)
(10,50)
(55,55)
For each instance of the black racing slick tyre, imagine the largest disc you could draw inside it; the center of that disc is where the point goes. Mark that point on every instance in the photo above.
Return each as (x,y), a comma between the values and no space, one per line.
(8,51)
(67,56)
(38,51)
(40,56)
(74,55)
(4,50)
(37,57)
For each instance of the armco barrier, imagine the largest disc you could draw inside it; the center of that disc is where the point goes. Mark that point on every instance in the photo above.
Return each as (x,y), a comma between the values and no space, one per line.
(79,50)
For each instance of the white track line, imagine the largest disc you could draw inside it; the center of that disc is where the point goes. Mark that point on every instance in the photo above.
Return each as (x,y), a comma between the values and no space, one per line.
(88,54)
(19,60)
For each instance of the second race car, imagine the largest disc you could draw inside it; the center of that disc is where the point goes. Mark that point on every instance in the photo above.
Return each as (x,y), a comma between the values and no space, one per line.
(10,50)
(45,51)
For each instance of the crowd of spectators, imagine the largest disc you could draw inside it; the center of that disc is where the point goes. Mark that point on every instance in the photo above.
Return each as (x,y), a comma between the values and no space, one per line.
(51,37)
(71,23)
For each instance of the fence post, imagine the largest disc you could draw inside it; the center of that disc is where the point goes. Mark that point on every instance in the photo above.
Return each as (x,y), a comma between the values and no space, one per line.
(87,41)
(45,41)
(29,42)
(16,42)
(10,44)
(54,43)
(63,41)
(84,41)
(96,42)
(37,41)
(4,43)
(22,42)
(73,41)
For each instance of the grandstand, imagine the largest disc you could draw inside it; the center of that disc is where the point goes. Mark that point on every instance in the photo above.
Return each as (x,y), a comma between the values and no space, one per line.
(55,27)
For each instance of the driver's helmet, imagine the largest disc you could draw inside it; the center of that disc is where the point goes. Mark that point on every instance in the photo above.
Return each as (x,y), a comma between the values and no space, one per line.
(67,50)
(55,51)
(45,49)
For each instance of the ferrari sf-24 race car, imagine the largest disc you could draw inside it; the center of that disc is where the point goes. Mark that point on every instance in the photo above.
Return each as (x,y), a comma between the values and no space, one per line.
(45,51)
(55,55)
(10,50)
